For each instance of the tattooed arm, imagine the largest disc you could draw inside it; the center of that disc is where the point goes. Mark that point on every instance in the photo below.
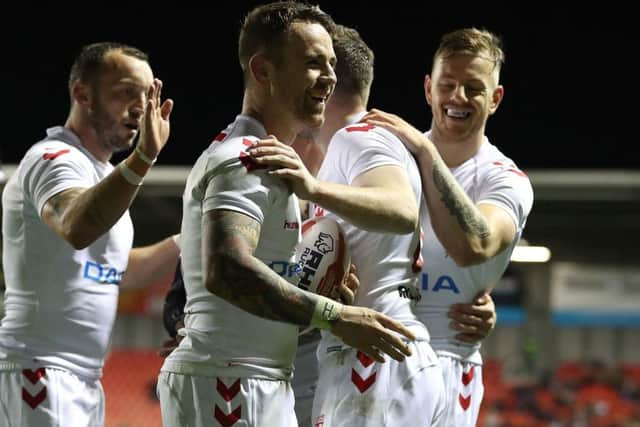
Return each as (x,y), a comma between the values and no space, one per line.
(233,273)
(81,215)
(470,233)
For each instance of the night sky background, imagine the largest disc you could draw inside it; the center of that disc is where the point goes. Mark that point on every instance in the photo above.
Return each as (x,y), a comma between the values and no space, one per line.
(571,83)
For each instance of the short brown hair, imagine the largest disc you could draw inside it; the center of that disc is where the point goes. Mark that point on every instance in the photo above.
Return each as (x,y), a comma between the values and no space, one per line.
(472,41)
(354,67)
(92,58)
(265,25)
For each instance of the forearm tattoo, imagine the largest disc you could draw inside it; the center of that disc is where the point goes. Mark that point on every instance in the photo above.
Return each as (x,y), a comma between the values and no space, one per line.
(244,280)
(467,215)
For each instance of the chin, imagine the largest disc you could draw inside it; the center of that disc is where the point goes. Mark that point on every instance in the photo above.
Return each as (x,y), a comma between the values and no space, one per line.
(315,121)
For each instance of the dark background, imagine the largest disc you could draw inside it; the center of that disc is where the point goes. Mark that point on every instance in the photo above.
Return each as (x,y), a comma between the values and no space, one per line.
(570,78)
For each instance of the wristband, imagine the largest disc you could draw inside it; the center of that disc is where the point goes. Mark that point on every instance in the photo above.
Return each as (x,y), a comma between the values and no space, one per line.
(325,312)
(130,176)
(143,156)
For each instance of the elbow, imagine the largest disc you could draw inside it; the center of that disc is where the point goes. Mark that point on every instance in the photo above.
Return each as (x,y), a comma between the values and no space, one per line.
(77,239)
(219,271)
(404,221)
(78,234)
(408,223)
(470,257)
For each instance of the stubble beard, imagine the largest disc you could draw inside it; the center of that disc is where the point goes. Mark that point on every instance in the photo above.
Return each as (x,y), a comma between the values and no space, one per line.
(106,129)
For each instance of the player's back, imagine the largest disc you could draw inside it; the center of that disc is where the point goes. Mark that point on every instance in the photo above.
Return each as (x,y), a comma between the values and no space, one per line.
(387,263)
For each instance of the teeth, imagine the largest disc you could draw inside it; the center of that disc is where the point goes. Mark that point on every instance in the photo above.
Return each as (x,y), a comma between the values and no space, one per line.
(459,114)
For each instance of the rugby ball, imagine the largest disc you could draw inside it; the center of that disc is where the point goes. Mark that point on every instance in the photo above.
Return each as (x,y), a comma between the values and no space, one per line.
(322,257)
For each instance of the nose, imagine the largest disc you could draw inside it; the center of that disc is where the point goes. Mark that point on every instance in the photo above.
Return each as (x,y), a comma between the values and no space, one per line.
(139,104)
(460,93)
(328,77)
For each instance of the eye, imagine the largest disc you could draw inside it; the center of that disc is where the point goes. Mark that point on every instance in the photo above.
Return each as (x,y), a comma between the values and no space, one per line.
(447,86)
(474,90)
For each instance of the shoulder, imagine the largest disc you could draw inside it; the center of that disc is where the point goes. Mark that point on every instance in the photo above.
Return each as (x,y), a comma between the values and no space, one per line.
(369,136)
(492,163)
(52,154)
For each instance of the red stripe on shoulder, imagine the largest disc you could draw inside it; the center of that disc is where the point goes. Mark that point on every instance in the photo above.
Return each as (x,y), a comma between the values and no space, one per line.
(361,128)
(55,154)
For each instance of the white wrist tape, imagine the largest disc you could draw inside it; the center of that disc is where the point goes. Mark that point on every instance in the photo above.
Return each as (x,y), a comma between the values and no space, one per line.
(143,156)
(130,176)
(325,312)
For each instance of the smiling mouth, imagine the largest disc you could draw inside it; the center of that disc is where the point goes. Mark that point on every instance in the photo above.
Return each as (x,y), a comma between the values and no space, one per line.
(457,113)
(320,98)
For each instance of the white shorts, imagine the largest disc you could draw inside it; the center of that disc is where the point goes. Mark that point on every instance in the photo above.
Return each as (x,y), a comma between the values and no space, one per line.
(463,382)
(48,397)
(196,401)
(355,391)
(304,381)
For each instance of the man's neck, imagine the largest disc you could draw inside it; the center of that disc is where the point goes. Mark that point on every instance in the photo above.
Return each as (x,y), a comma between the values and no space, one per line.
(455,153)
(88,138)
(341,111)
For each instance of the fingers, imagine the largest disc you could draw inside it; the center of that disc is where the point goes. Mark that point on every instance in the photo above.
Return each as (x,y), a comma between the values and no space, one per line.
(397,349)
(345,294)
(158,85)
(266,148)
(374,353)
(459,310)
(472,328)
(395,326)
(165,110)
(469,324)
(349,286)
(391,343)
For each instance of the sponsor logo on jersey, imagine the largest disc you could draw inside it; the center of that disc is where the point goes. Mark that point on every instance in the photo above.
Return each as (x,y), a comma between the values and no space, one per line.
(443,283)
(102,273)
(409,292)
(291,225)
(285,269)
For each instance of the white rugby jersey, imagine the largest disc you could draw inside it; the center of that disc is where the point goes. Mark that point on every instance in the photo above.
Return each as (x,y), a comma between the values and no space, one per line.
(60,303)
(488,177)
(386,262)
(217,333)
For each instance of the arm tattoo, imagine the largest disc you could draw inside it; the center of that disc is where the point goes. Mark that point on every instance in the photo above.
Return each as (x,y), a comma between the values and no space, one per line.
(58,203)
(467,215)
(241,278)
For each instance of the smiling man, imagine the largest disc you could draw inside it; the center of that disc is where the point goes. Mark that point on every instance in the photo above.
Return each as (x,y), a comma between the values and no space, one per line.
(478,203)
(235,362)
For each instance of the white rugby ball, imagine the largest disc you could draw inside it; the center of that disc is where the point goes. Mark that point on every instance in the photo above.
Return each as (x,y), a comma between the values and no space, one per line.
(322,256)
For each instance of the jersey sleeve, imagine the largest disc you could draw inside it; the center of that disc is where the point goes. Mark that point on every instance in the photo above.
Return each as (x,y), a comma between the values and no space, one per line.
(242,186)
(360,148)
(510,189)
(52,167)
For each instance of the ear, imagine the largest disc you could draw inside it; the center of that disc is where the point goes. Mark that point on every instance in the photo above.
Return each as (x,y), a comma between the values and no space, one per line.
(496,99)
(427,88)
(260,68)
(81,94)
